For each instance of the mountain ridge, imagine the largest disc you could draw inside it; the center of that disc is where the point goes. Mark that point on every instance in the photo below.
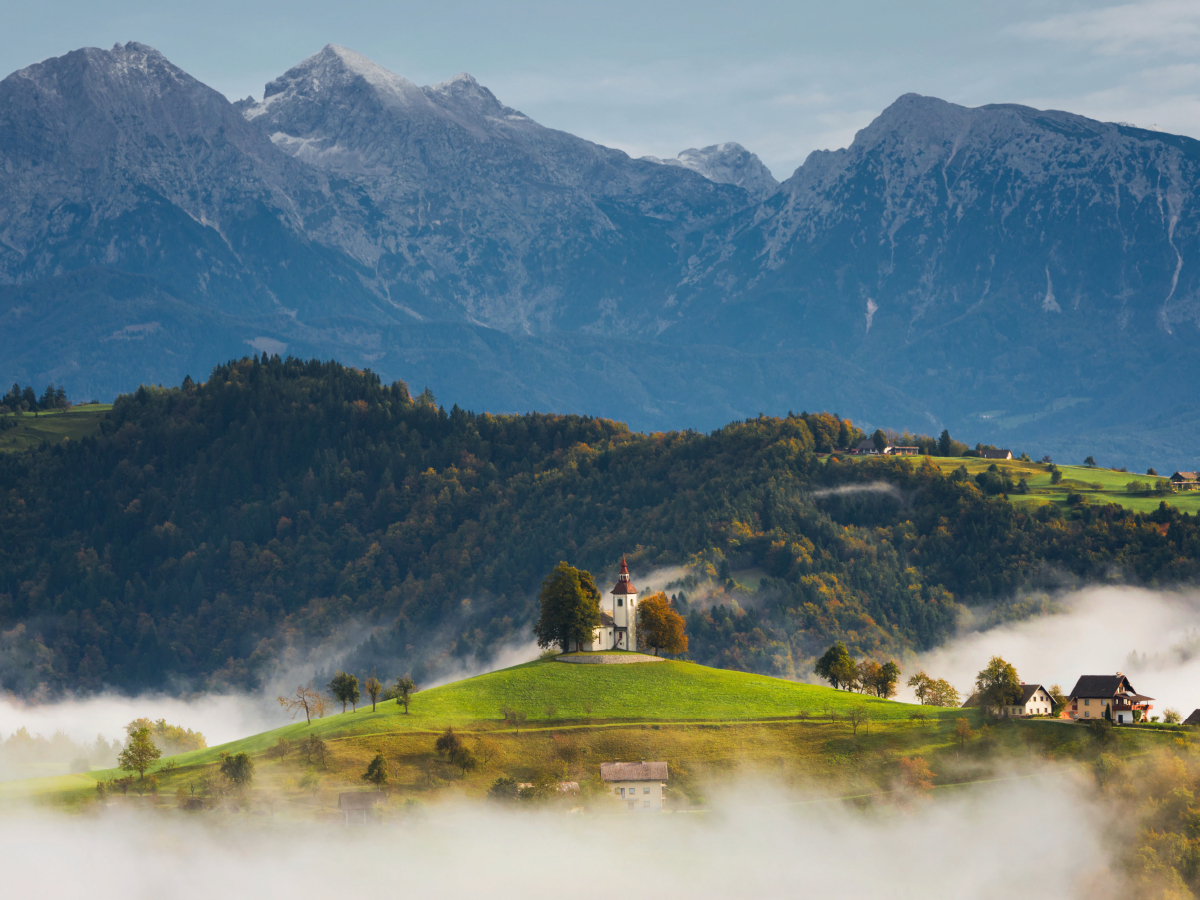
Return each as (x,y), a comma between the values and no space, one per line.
(979,261)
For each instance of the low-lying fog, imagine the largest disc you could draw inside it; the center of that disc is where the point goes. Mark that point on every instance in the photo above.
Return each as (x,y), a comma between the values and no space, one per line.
(1031,839)
(1151,636)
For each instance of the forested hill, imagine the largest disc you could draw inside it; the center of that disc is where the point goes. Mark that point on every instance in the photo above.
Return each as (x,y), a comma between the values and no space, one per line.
(209,528)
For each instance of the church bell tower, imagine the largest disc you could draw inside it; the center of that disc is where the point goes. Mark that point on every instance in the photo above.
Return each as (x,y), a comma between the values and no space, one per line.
(625,597)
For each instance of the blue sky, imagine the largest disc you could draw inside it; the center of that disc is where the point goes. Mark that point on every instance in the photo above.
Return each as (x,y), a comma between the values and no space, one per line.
(782,78)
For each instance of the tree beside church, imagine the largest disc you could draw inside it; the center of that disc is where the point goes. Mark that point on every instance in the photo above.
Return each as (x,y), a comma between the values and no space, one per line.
(570,608)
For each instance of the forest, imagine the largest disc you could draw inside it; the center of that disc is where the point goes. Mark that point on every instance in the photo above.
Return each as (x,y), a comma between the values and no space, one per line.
(212,530)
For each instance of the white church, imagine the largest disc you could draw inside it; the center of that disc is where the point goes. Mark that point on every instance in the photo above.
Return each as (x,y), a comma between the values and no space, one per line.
(618,624)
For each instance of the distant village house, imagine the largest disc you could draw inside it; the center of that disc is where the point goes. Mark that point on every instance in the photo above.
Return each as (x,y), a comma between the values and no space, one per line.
(1035,701)
(640,785)
(1185,481)
(1193,719)
(867,447)
(995,453)
(1106,697)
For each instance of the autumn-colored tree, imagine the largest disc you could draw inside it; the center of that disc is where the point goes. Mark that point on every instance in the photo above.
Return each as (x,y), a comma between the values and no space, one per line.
(374,688)
(915,774)
(570,608)
(140,753)
(308,699)
(962,731)
(867,675)
(314,746)
(659,626)
(943,693)
(887,679)
(377,770)
(514,717)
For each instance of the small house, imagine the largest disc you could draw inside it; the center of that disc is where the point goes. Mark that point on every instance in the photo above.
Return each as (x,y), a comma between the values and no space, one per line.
(864,447)
(1193,719)
(996,453)
(640,785)
(1035,700)
(899,450)
(1106,697)
(358,807)
(1185,481)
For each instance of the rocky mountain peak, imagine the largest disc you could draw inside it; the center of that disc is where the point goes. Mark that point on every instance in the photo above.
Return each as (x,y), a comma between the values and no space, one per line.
(727,163)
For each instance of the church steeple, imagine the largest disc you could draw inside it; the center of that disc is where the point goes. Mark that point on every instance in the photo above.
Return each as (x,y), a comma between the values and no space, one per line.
(624,585)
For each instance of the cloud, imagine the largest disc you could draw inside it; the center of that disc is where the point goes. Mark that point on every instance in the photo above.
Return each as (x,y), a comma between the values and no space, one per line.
(1098,632)
(1033,840)
(873,487)
(1154,26)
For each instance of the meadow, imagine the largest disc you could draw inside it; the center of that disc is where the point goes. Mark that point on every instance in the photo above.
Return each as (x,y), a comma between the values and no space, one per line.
(51,426)
(710,725)
(1094,484)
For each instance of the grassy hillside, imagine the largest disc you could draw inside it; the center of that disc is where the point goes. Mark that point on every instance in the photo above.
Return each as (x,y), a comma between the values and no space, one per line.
(52,426)
(1094,484)
(709,725)
(599,705)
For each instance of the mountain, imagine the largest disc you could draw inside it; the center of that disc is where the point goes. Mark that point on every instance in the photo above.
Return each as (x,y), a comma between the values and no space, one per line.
(1017,275)
(727,163)
(1025,273)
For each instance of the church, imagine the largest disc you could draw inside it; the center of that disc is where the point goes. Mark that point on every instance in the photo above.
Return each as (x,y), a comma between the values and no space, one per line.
(618,623)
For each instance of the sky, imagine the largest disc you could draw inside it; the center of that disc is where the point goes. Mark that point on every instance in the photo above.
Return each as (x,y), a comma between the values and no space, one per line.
(781,77)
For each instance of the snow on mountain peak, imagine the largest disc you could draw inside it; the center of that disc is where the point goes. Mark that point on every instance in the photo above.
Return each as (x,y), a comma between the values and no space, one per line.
(727,163)
(335,67)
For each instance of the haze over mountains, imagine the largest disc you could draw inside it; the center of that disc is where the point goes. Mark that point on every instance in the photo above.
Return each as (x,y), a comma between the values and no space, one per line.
(1012,274)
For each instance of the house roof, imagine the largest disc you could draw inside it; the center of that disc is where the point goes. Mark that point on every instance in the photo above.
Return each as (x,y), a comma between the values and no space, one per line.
(1193,719)
(1105,686)
(867,444)
(638,771)
(606,620)
(624,585)
(359,799)
(998,453)
(1027,692)
(1186,476)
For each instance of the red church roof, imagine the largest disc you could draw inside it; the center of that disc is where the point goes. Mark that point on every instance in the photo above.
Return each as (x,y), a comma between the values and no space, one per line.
(624,585)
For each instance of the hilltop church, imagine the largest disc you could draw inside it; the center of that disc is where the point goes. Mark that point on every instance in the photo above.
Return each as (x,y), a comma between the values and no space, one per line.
(618,623)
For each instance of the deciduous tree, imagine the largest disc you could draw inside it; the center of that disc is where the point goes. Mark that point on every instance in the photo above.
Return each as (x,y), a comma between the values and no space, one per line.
(377,770)
(308,699)
(962,731)
(140,753)
(374,688)
(659,626)
(915,774)
(404,689)
(836,666)
(570,608)
(997,685)
(238,768)
(344,688)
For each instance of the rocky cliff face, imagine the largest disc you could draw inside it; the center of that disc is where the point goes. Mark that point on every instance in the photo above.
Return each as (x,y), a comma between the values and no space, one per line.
(1001,270)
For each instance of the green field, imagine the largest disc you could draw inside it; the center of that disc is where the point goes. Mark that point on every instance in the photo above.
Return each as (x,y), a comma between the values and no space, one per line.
(708,724)
(1095,485)
(52,427)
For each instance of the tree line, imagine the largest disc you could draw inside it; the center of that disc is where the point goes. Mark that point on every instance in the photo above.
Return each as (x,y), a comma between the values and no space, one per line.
(209,527)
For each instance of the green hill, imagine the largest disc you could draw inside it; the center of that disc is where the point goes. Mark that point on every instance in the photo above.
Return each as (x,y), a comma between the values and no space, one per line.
(706,723)
(581,702)
(51,426)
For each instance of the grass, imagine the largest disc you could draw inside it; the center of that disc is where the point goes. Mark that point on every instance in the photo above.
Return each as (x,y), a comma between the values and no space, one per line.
(711,726)
(1095,485)
(52,426)
(689,709)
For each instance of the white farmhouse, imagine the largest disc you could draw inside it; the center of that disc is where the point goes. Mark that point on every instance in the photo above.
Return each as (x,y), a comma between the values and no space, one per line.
(639,785)
(1035,701)
(618,623)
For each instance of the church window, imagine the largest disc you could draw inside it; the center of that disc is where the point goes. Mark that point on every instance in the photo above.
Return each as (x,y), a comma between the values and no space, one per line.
(620,601)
